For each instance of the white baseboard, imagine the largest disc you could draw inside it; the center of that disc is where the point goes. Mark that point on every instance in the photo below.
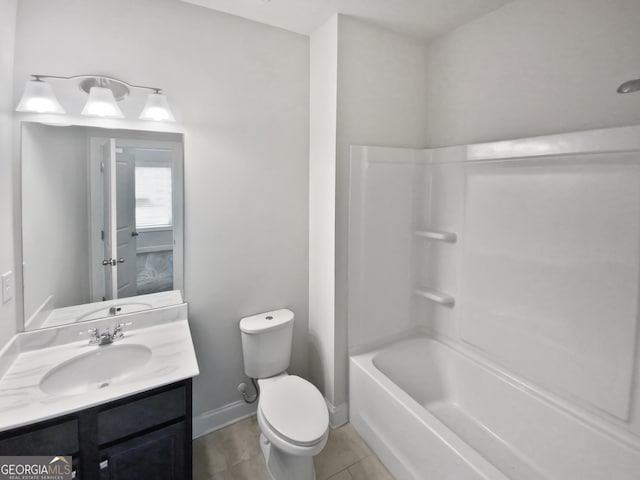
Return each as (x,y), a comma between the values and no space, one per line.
(338,415)
(218,418)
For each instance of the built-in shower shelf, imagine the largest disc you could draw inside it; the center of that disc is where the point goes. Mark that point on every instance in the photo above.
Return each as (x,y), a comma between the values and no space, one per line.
(435,296)
(438,235)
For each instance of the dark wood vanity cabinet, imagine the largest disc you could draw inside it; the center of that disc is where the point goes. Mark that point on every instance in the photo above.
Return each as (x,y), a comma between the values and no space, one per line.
(145,436)
(158,455)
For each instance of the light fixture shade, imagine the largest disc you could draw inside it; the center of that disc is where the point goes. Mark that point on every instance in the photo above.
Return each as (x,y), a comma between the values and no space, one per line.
(101,103)
(38,97)
(157,109)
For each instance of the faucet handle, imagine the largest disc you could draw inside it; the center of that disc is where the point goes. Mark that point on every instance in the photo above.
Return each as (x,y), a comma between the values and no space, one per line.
(95,335)
(117,330)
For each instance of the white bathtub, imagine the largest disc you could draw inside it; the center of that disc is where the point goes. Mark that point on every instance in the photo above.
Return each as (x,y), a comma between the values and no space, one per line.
(439,412)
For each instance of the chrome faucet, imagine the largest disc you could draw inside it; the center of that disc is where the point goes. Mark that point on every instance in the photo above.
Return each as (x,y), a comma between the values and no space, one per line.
(106,337)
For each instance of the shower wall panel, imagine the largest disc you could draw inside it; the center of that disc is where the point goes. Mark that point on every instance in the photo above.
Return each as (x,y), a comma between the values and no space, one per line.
(550,264)
(381,230)
(436,261)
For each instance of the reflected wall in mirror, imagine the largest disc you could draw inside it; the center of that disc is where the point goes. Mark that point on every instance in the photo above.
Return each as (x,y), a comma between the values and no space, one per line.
(102,222)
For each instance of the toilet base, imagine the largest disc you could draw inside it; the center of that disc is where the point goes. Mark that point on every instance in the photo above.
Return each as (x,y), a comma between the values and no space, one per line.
(284,466)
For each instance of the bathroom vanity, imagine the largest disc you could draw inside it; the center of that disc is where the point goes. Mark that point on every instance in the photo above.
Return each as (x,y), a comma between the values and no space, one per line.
(121,410)
(142,436)
(101,369)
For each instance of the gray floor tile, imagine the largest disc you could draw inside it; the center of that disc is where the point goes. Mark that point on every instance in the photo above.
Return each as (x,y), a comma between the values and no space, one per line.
(226,475)
(369,468)
(233,453)
(207,457)
(234,444)
(252,469)
(343,475)
(344,448)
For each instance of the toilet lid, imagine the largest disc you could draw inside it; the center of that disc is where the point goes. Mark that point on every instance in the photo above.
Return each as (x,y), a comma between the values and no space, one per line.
(295,409)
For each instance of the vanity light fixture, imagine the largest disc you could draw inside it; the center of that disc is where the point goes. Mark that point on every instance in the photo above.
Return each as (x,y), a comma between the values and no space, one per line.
(104,93)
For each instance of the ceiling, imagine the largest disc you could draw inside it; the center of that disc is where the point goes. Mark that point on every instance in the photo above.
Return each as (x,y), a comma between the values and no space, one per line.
(424,19)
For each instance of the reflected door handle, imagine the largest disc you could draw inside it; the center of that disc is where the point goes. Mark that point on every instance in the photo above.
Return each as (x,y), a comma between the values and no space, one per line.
(111,261)
(134,234)
(121,260)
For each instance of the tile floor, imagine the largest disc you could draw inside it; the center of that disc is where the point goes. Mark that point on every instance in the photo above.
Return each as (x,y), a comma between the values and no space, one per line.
(233,453)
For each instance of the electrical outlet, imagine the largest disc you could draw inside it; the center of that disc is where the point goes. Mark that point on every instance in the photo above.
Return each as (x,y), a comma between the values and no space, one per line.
(7,287)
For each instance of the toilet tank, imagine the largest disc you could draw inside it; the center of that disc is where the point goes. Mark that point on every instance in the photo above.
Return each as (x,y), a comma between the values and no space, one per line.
(266,343)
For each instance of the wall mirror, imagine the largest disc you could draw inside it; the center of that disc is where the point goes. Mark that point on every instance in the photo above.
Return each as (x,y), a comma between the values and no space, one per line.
(102,222)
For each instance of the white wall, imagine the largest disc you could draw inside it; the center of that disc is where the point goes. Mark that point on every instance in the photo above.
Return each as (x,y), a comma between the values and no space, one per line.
(54,216)
(322,185)
(382,81)
(241,92)
(534,67)
(368,86)
(7,31)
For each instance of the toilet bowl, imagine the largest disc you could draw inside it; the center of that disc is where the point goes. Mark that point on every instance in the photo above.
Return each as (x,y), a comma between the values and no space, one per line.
(292,413)
(294,422)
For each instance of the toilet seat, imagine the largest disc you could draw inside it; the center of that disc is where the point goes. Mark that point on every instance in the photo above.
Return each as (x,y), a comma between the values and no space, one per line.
(295,410)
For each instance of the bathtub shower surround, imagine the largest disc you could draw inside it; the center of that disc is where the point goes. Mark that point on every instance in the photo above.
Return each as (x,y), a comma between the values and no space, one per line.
(514,267)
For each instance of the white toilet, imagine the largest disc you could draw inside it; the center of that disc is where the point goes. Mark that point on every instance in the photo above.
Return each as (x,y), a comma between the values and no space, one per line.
(292,413)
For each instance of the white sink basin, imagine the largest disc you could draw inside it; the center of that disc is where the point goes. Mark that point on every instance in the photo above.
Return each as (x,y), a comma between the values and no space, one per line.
(129,307)
(95,369)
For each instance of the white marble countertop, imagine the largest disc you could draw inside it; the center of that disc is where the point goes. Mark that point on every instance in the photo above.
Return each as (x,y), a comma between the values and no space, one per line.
(172,359)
